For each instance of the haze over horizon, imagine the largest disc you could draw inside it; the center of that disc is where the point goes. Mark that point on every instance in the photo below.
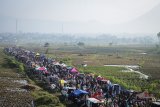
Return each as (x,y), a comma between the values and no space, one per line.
(80,16)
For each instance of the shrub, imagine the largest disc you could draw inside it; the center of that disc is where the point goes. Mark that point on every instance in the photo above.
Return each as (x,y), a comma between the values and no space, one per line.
(20,67)
(44,99)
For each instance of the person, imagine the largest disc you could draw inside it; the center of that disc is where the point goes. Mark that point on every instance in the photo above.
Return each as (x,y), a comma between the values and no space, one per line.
(101,105)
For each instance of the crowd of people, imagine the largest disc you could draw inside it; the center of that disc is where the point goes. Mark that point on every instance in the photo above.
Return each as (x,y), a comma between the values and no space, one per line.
(60,76)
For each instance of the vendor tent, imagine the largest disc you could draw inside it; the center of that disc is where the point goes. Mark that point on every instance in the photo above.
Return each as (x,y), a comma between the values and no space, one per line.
(74,70)
(56,63)
(37,54)
(63,65)
(42,68)
(78,92)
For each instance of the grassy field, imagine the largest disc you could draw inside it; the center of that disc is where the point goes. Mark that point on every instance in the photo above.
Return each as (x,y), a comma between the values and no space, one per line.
(96,57)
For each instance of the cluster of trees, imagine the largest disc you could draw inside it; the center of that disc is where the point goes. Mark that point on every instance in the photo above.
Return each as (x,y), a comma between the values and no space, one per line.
(158,45)
(80,44)
(102,39)
(158,35)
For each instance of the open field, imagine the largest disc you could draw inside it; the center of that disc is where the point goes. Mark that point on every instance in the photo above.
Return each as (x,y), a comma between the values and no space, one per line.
(99,56)
(96,57)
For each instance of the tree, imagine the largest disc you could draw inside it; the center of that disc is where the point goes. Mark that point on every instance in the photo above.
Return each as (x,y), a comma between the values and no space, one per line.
(110,44)
(158,35)
(80,44)
(46,44)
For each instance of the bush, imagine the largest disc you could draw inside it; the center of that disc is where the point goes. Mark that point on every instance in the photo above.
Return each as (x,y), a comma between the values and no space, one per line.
(44,99)
(12,63)
(20,67)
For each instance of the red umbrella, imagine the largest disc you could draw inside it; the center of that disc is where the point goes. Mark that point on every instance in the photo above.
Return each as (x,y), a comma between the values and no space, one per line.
(42,68)
(46,72)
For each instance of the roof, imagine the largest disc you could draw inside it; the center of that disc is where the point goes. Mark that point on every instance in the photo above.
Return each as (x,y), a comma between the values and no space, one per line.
(74,70)
(94,100)
(157,103)
(78,92)
(69,87)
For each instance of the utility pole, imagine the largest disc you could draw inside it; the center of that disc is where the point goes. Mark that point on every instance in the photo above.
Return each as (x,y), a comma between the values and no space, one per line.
(62,28)
(16,26)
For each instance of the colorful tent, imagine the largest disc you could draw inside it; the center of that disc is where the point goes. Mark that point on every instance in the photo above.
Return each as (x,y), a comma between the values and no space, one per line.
(46,72)
(74,70)
(36,67)
(63,65)
(78,92)
(37,54)
(42,68)
(56,63)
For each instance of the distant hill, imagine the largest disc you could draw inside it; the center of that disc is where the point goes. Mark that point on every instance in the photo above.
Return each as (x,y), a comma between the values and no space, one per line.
(149,22)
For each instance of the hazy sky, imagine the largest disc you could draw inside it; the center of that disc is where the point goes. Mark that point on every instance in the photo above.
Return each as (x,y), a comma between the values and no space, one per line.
(103,11)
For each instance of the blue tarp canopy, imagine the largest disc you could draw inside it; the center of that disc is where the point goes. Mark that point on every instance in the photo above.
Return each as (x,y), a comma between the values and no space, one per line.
(78,92)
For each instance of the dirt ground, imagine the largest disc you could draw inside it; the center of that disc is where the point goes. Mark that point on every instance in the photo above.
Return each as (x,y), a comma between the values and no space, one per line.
(11,92)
